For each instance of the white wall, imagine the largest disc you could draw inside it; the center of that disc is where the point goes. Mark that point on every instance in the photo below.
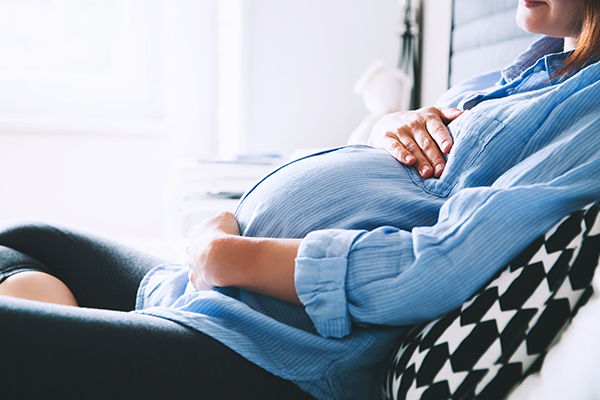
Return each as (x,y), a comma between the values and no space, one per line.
(303,59)
(113,184)
(437,22)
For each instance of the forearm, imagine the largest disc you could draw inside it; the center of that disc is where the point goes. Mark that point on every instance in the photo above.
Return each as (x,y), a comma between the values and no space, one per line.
(260,265)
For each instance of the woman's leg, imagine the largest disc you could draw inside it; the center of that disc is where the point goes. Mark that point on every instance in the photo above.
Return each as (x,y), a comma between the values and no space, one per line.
(100,273)
(39,286)
(53,351)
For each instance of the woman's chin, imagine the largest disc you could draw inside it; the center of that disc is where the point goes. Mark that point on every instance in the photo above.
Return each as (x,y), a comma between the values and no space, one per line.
(529,20)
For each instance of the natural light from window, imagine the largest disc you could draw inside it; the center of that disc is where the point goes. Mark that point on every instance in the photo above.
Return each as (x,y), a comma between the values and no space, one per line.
(81,65)
(59,40)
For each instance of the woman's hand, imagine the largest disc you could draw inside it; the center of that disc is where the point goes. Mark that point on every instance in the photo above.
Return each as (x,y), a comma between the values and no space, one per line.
(417,138)
(207,251)
(218,256)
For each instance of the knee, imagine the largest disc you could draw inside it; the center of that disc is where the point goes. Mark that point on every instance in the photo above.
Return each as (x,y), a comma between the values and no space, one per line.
(10,228)
(19,235)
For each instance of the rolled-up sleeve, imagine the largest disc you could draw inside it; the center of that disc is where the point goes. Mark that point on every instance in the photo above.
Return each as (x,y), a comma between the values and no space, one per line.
(320,278)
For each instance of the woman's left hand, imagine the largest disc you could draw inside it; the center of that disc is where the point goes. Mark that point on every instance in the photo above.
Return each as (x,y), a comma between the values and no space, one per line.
(207,255)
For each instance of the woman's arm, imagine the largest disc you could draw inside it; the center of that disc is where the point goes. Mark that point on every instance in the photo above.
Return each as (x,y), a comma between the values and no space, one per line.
(218,256)
(389,276)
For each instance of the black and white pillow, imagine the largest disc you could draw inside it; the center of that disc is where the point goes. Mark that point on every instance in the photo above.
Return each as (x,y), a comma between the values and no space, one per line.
(502,333)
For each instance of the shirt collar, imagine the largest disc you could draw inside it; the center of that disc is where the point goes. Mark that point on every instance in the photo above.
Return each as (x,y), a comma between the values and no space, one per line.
(537,50)
(554,62)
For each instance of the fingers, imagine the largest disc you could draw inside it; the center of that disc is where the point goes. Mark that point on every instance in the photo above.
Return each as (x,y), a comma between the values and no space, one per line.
(450,114)
(418,138)
(397,149)
(436,125)
(440,134)
(431,151)
(429,160)
(438,128)
(407,152)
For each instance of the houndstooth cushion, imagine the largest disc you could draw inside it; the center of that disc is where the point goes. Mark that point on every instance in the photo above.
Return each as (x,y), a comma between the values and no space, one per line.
(502,333)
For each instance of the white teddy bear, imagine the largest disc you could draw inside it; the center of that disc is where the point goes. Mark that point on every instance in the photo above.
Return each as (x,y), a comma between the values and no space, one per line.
(384,90)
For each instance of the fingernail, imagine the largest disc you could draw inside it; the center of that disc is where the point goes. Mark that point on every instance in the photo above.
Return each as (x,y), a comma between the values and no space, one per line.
(438,169)
(445,146)
(425,170)
(409,159)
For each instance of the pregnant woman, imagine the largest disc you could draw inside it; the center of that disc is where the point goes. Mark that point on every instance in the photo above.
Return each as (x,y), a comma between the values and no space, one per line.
(305,290)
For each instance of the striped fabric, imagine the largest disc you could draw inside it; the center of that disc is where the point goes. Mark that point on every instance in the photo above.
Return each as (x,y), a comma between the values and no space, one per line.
(384,248)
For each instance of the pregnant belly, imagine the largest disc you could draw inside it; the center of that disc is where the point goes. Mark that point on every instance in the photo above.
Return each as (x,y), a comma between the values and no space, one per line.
(353,187)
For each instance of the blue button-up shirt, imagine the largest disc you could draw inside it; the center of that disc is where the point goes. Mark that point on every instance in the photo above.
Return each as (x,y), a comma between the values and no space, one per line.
(383,248)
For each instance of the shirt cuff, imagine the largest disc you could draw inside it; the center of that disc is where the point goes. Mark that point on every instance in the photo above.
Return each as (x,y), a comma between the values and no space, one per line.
(320,278)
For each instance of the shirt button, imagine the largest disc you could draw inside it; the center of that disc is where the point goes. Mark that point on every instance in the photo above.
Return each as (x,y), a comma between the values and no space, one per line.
(539,68)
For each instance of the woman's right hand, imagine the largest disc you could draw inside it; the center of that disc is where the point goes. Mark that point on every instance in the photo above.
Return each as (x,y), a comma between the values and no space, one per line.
(417,138)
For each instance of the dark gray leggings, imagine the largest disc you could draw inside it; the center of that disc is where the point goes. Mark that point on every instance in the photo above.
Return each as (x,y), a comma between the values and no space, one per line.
(101,350)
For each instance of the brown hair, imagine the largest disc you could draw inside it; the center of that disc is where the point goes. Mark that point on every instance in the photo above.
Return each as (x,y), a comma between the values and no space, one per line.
(588,42)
